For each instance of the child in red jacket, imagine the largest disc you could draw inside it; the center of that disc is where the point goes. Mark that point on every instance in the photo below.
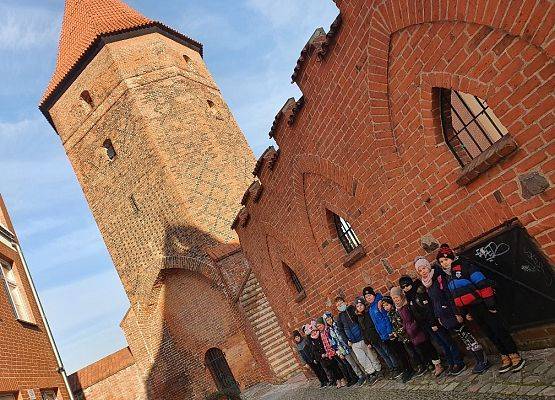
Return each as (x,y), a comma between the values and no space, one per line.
(475,297)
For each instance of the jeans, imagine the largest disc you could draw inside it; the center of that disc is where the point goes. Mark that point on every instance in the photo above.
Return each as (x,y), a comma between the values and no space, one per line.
(443,339)
(385,352)
(367,357)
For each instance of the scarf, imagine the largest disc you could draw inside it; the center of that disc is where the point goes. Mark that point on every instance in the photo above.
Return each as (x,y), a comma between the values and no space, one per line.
(428,281)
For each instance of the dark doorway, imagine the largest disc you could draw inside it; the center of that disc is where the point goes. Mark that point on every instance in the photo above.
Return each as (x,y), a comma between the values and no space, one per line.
(523,275)
(216,362)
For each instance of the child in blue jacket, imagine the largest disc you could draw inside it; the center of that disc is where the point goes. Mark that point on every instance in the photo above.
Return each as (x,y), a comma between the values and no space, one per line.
(384,328)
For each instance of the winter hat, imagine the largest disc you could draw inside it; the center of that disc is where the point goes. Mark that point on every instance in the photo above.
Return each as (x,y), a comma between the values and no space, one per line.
(327,315)
(388,300)
(360,300)
(396,291)
(307,329)
(421,262)
(445,252)
(320,320)
(405,281)
(368,290)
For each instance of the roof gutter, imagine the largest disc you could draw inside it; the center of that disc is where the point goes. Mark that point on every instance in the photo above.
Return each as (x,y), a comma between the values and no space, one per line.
(61,369)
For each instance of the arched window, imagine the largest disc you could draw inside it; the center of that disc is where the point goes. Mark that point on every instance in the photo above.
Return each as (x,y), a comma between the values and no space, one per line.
(346,234)
(294,279)
(110,151)
(87,98)
(186,58)
(469,126)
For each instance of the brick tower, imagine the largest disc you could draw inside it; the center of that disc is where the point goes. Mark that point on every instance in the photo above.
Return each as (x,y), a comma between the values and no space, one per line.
(163,166)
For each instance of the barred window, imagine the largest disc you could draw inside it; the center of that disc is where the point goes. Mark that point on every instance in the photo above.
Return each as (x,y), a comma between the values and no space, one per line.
(294,279)
(346,234)
(469,125)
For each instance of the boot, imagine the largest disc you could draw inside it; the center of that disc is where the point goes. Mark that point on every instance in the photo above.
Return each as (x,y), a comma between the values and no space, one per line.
(517,362)
(506,364)
(482,363)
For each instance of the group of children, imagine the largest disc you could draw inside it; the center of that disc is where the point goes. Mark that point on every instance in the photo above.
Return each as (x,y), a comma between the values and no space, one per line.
(402,328)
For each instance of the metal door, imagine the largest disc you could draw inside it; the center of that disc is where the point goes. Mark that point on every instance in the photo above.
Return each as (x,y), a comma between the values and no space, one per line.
(524,276)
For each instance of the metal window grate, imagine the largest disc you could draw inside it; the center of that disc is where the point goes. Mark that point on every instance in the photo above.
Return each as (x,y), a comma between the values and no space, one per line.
(469,125)
(295,279)
(346,234)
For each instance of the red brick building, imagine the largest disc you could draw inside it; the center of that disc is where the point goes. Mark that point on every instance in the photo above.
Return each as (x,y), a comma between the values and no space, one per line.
(29,368)
(114,377)
(421,122)
(163,166)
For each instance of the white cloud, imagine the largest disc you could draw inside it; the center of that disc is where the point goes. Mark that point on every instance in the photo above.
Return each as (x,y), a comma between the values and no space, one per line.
(69,247)
(23,28)
(36,226)
(84,316)
(17,128)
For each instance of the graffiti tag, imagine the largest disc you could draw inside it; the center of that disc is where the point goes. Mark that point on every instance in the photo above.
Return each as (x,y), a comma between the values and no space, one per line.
(492,250)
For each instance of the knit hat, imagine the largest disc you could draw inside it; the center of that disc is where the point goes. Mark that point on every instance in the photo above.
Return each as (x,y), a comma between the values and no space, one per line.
(405,281)
(327,315)
(421,262)
(360,300)
(368,290)
(320,320)
(388,300)
(445,252)
(396,291)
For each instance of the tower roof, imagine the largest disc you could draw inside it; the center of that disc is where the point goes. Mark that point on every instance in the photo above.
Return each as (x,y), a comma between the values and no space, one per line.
(85,23)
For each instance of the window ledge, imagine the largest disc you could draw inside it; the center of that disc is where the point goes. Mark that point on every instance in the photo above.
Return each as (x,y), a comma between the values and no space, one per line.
(27,323)
(491,156)
(354,256)
(300,296)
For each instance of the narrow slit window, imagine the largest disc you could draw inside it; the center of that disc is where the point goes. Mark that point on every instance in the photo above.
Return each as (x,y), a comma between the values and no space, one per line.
(210,103)
(109,147)
(186,58)
(87,98)
(346,234)
(469,125)
(294,279)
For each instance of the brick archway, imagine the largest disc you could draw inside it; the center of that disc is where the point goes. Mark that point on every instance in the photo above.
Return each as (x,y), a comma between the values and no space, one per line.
(391,17)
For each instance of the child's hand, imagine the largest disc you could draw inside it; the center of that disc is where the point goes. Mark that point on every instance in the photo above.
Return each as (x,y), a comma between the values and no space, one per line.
(323,356)
(434,328)
(493,311)
(380,305)
(459,319)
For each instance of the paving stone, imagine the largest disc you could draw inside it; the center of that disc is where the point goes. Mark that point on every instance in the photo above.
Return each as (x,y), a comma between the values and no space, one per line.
(510,389)
(524,389)
(536,390)
(549,391)
(486,388)
(531,380)
(450,387)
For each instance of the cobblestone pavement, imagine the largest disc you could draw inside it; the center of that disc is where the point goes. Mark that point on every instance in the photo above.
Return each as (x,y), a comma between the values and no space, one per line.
(536,381)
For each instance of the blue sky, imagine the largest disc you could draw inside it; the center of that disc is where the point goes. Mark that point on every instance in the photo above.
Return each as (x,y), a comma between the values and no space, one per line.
(250,47)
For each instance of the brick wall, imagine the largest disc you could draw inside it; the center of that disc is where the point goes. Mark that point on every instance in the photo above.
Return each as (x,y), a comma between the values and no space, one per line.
(28,361)
(365,142)
(162,203)
(113,377)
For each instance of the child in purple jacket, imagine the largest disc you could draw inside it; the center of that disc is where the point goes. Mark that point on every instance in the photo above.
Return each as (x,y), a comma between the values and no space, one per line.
(424,352)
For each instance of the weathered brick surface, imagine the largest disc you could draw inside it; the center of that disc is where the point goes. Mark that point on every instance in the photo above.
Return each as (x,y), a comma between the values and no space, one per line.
(27,361)
(167,198)
(368,145)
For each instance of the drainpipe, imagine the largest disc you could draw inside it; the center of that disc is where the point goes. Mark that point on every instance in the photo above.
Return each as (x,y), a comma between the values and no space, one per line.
(61,369)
